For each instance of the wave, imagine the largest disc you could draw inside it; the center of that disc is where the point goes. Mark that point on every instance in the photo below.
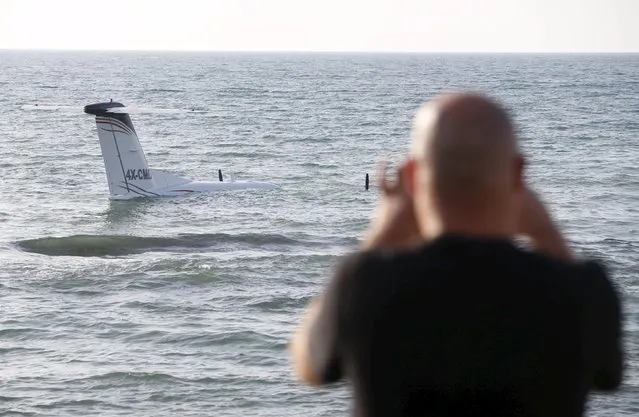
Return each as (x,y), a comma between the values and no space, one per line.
(140,110)
(133,376)
(164,90)
(7,399)
(50,107)
(129,109)
(140,377)
(122,245)
(19,333)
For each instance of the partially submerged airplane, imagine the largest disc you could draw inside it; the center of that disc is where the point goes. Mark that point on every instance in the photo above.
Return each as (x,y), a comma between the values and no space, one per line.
(128,173)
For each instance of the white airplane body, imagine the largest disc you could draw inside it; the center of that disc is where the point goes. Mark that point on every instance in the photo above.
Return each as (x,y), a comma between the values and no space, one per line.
(128,173)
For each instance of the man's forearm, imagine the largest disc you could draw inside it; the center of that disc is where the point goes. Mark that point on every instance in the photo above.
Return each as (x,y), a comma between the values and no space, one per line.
(549,241)
(300,344)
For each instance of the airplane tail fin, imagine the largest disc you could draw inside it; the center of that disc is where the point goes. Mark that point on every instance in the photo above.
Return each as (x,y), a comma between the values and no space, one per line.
(128,173)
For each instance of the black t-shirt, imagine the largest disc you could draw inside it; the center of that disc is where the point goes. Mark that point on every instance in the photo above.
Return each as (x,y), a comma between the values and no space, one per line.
(468,327)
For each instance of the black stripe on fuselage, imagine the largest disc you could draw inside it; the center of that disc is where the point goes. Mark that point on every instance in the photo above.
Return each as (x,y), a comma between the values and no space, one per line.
(115,122)
(117,148)
(142,189)
(119,117)
(133,191)
(113,130)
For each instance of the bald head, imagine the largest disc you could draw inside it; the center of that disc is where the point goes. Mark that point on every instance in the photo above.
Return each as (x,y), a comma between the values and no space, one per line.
(467,146)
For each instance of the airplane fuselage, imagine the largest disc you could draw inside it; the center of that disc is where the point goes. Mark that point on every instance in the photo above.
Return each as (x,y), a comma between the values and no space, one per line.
(194,187)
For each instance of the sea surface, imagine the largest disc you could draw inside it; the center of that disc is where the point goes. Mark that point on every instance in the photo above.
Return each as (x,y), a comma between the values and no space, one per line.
(185,306)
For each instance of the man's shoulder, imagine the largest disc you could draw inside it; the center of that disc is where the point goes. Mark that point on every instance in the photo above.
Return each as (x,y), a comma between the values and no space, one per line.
(369,263)
(588,277)
(577,268)
(376,257)
(363,261)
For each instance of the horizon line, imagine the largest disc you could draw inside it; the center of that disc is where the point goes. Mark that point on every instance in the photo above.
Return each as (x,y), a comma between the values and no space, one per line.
(327,51)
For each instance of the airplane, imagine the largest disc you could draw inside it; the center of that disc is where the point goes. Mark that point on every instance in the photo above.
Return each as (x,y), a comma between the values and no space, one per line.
(128,173)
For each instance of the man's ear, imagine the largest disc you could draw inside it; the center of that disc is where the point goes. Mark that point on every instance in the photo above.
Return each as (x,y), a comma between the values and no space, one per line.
(408,170)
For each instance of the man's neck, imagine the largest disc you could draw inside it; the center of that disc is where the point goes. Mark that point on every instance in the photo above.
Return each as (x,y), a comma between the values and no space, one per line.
(477,225)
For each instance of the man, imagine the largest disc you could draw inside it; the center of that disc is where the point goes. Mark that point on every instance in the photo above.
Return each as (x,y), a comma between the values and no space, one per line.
(441,314)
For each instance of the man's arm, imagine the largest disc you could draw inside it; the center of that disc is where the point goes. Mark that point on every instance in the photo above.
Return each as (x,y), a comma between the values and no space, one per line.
(550,242)
(537,224)
(602,321)
(604,327)
(299,347)
(315,348)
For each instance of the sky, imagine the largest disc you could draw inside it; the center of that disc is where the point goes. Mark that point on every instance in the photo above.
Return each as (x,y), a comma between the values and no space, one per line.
(323,25)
